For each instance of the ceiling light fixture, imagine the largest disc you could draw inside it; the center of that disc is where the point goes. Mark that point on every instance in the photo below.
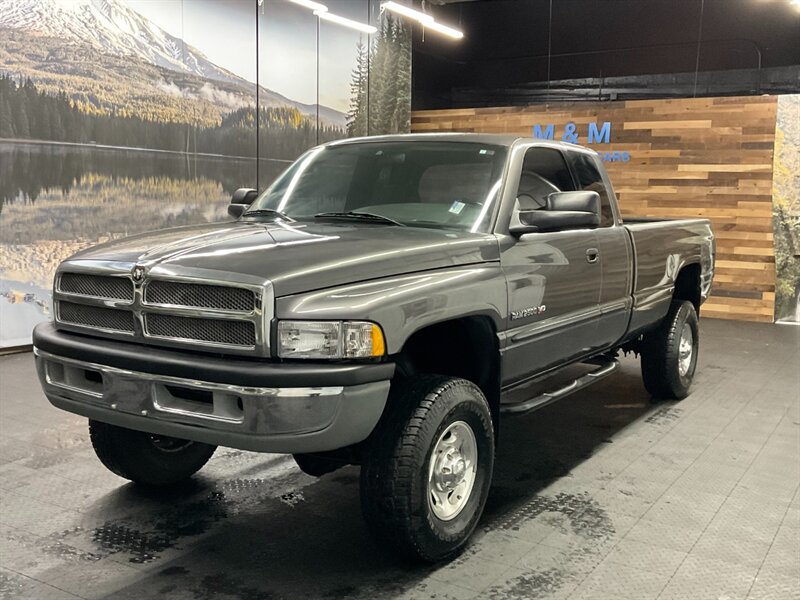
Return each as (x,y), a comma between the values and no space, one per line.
(323,14)
(315,6)
(402,9)
(444,29)
(422,18)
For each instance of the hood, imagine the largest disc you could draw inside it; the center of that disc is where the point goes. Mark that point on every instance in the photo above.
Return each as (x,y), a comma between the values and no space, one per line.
(299,257)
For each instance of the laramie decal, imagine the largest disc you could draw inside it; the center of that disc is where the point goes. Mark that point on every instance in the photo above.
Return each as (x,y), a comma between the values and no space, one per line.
(595,134)
(524,313)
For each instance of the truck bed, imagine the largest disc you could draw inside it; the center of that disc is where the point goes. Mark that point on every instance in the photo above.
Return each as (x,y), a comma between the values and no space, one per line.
(661,247)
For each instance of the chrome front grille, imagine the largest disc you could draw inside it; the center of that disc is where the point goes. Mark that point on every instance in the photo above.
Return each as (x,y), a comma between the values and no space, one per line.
(215,331)
(166,309)
(96,317)
(195,295)
(96,286)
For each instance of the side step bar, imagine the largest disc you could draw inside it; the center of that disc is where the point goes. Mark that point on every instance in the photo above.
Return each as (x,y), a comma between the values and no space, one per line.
(606,368)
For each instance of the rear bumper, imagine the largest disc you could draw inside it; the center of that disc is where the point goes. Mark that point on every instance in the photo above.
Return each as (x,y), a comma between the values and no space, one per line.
(305,408)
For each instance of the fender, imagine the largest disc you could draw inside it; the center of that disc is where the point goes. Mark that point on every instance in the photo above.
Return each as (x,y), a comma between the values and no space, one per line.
(405,304)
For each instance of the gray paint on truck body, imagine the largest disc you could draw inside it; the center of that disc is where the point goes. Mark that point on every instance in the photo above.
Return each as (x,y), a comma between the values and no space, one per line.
(406,278)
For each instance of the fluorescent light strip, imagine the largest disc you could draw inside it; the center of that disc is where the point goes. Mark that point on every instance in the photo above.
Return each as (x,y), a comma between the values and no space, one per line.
(444,29)
(402,9)
(424,19)
(346,22)
(316,6)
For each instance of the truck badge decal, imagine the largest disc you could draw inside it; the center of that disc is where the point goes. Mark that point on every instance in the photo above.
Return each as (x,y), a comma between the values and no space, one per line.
(531,311)
(138,274)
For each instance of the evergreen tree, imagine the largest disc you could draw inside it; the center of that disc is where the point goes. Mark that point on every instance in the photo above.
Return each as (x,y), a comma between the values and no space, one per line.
(378,75)
(402,109)
(390,78)
(19,114)
(357,115)
(6,124)
(385,106)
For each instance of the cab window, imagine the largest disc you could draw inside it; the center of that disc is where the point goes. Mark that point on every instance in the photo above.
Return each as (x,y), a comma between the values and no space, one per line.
(589,179)
(544,171)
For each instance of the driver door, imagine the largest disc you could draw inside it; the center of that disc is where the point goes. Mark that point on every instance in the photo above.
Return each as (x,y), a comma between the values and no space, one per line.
(553,279)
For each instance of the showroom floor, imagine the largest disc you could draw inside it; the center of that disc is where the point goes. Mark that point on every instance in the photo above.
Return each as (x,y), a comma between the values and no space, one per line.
(604,495)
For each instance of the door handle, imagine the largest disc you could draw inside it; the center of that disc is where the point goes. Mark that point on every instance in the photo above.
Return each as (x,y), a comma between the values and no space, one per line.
(592,255)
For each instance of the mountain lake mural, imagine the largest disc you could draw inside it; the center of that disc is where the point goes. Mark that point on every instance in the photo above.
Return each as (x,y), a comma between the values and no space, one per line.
(123,116)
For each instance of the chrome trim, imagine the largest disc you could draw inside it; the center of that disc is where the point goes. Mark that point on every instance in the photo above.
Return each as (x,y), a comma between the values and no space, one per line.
(260,316)
(191,341)
(64,386)
(182,381)
(530,330)
(212,312)
(100,299)
(615,305)
(83,328)
(144,393)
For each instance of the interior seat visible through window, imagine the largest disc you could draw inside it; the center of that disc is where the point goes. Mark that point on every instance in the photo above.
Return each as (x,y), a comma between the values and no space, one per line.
(544,171)
(533,191)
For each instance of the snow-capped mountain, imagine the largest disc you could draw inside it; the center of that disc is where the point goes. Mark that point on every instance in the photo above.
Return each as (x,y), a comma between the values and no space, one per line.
(112,27)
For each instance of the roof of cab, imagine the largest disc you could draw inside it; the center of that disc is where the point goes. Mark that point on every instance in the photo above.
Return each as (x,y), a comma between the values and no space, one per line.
(478,138)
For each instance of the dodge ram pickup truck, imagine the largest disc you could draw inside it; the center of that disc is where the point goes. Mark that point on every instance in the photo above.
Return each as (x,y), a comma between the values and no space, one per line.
(378,305)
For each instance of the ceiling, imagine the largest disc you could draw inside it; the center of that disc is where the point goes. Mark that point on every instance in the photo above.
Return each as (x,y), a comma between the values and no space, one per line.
(508,42)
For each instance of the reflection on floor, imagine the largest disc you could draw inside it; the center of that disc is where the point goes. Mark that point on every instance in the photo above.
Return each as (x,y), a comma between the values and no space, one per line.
(603,495)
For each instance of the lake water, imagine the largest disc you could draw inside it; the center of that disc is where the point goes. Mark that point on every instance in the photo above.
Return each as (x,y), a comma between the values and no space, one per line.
(55,200)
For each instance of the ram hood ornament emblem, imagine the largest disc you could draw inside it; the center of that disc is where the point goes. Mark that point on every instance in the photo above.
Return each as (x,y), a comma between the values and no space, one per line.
(138,273)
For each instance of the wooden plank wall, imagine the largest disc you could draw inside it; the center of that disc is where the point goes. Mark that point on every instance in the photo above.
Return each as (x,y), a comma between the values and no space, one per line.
(701,157)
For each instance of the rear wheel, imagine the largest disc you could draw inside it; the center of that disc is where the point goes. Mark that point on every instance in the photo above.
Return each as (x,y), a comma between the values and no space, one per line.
(427,467)
(147,458)
(669,353)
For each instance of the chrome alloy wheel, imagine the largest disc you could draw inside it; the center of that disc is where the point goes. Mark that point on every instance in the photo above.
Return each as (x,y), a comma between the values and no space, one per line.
(685,350)
(452,469)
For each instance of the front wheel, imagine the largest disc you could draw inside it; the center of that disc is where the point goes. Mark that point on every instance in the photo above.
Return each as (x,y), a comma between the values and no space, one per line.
(669,353)
(147,458)
(427,467)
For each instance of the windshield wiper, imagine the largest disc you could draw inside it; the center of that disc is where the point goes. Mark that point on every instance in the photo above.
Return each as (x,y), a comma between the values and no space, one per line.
(358,216)
(267,211)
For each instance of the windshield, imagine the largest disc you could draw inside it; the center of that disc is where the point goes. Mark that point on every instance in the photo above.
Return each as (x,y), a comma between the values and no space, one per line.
(446,185)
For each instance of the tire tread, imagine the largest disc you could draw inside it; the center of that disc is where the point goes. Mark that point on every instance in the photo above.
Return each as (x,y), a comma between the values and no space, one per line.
(388,473)
(661,349)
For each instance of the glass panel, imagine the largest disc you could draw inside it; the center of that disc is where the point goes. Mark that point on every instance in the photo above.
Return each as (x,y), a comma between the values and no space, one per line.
(416,183)
(287,96)
(343,64)
(589,179)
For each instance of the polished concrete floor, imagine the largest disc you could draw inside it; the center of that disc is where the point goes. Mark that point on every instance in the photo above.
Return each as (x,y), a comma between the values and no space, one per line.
(604,495)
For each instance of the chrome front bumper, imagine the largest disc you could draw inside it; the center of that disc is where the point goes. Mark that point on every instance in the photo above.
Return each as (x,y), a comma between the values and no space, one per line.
(261,419)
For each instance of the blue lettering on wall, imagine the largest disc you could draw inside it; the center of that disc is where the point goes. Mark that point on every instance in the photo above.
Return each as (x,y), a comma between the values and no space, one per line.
(570,134)
(597,133)
(547,134)
(623,156)
(603,136)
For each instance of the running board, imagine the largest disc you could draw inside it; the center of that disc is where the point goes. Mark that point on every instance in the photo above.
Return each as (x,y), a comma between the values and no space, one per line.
(606,368)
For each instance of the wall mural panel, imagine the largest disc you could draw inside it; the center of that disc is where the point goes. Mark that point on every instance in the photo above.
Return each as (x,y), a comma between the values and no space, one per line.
(701,157)
(786,208)
(123,116)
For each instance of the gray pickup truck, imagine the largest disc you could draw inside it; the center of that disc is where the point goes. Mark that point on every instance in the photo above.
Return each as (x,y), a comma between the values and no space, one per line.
(379,305)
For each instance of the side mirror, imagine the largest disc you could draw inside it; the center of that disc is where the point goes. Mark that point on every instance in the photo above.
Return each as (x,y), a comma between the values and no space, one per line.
(564,210)
(241,201)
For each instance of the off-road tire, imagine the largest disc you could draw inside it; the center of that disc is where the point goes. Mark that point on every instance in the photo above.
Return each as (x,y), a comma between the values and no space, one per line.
(395,468)
(137,455)
(660,353)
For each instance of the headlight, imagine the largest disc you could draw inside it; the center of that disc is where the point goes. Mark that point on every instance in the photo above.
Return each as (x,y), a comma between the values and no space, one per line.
(329,339)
